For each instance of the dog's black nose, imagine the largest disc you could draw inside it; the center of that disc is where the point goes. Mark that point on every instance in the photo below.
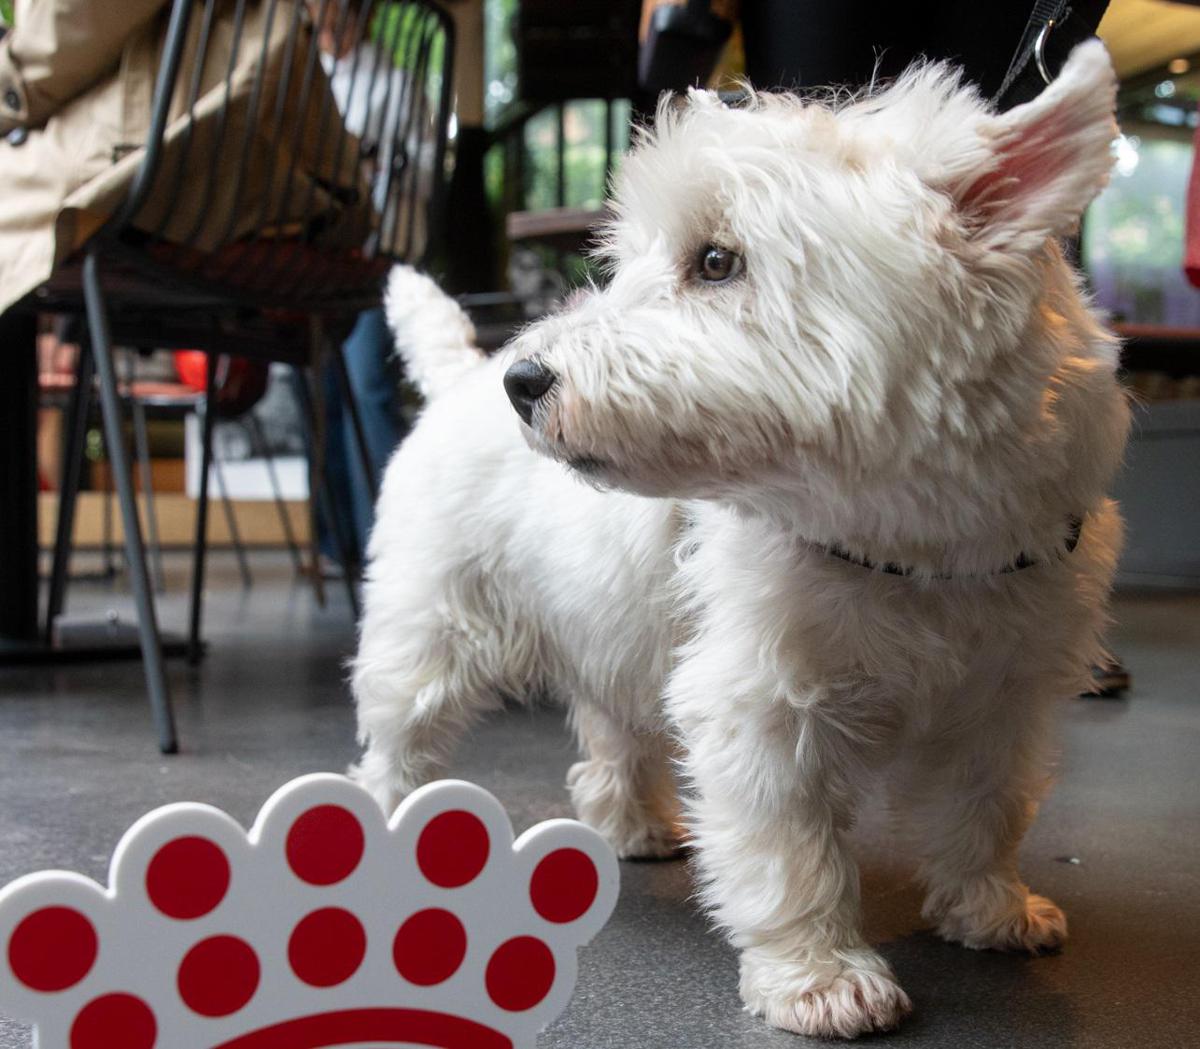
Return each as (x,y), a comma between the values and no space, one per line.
(526,382)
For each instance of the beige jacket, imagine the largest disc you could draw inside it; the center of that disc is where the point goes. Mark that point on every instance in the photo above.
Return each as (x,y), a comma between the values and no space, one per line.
(76,80)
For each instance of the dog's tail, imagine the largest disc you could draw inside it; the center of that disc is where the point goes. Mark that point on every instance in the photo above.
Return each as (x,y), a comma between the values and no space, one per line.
(435,338)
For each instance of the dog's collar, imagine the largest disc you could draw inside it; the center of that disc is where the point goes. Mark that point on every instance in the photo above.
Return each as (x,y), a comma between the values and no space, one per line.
(1023,560)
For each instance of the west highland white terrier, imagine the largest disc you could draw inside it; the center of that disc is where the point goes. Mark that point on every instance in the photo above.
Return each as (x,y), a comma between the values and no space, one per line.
(845,423)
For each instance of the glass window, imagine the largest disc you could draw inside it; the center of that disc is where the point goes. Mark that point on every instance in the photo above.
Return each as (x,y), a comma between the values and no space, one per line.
(584,135)
(1133,235)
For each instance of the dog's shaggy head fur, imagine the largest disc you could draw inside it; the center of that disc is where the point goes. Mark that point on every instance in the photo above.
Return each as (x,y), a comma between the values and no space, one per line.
(898,355)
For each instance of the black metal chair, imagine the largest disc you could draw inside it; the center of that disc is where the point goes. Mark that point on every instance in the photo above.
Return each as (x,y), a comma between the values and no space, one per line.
(211,251)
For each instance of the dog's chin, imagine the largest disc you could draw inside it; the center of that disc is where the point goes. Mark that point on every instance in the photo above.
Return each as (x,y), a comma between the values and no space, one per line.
(598,472)
(592,470)
(610,475)
(588,465)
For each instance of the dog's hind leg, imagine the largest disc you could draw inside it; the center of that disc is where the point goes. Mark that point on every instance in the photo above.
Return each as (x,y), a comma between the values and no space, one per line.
(426,668)
(969,808)
(625,789)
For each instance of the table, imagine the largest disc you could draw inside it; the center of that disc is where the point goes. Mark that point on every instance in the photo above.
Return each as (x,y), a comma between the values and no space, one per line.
(21,636)
(18,480)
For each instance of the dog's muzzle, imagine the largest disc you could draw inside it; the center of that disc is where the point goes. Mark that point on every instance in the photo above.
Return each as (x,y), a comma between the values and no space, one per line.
(526,383)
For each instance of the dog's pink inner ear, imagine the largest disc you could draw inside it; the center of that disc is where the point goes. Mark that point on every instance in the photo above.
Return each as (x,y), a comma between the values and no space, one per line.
(1026,164)
(1046,159)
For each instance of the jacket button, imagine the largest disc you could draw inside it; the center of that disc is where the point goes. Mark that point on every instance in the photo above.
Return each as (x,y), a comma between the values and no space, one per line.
(17,136)
(12,99)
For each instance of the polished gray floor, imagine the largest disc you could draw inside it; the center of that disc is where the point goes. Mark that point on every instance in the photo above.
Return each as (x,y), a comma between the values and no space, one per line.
(1118,843)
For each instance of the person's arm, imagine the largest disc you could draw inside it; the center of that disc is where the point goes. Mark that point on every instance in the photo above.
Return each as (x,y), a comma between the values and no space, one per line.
(57,49)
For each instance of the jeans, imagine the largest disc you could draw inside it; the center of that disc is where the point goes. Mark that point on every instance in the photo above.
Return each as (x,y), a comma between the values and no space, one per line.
(374,378)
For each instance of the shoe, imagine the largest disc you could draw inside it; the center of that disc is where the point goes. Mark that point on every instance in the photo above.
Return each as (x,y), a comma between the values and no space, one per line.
(1109,679)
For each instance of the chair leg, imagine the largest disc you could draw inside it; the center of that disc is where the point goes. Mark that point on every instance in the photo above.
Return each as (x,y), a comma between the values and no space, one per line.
(135,554)
(74,441)
(141,443)
(110,568)
(323,495)
(285,520)
(231,523)
(337,353)
(199,547)
(304,400)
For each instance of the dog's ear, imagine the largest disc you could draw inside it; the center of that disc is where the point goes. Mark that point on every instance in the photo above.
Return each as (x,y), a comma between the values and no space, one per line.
(1044,161)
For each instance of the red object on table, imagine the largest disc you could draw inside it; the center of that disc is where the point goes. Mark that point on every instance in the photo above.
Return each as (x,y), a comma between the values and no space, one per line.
(1191,240)
(240,388)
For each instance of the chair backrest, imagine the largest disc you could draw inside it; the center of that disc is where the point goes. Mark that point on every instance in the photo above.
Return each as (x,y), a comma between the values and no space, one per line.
(297,149)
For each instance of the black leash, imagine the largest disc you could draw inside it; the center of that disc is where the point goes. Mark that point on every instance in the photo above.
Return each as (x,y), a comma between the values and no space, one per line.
(1027,73)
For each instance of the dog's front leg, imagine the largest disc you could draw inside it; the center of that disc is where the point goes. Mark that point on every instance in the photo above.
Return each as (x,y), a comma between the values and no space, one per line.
(776,785)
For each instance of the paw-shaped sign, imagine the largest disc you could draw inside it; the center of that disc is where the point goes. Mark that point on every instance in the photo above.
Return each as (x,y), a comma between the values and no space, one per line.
(324,926)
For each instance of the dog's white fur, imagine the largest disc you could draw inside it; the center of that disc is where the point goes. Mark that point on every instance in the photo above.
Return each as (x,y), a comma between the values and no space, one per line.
(906,369)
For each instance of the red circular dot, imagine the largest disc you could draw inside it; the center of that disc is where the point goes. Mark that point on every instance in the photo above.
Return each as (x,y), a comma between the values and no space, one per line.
(187,878)
(453,849)
(520,974)
(325,845)
(52,949)
(114,1020)
(218,976)
(564,885)
(429,947)
(327,947)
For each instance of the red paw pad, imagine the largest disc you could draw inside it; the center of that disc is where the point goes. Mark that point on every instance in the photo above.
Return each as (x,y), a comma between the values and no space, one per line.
(52,949)
(114,1020)
(429,947)
(327,947)
(520,973)
(218,976)
(188,878)
(325,845)
(452,849)
(564,885)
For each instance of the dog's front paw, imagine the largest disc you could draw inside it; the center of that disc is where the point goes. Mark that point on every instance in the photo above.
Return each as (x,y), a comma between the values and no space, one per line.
(1035,925)
(839,997)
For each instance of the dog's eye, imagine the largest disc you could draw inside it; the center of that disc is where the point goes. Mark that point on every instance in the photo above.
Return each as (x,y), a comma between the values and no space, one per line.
(717,265)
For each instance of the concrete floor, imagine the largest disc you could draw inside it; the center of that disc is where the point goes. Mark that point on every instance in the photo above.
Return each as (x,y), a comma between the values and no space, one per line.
(1118,843)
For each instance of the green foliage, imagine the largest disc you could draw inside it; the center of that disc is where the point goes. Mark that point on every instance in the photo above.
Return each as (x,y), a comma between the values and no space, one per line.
(584,164)
(1134,234)
(6,12)
(1139,220)
(583,156)
(499,56)
(395,29)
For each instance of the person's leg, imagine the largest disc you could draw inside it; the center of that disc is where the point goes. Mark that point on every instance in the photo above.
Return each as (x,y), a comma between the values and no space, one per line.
(373,379)
(18,477)
(339,469)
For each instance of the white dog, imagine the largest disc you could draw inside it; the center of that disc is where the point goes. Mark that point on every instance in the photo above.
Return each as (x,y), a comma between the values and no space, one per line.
(876,420)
